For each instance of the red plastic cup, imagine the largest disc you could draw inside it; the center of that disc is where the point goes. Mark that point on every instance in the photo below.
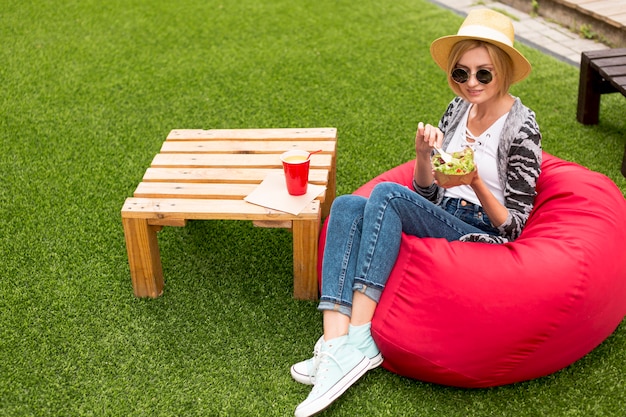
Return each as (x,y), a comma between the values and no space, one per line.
(296,166)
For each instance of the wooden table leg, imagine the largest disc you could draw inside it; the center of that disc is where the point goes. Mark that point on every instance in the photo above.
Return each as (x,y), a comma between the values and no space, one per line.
(305,241)
(331,189)
(144,258)
(588,110)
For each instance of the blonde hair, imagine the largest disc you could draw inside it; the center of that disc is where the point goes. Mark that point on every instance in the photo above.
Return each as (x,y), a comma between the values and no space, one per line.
(502,64)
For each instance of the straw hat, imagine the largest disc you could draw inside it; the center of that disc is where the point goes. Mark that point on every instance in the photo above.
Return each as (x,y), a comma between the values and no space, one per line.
(489,26)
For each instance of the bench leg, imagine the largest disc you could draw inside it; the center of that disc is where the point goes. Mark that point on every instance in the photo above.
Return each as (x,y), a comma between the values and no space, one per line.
(588,110)
(144,258)
(305,240)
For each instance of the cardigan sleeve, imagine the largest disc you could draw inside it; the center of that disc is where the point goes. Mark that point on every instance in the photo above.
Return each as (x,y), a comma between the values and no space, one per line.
(522,171)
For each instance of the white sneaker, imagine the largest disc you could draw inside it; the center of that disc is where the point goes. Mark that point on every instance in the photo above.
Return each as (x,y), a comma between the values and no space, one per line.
(304,372)
(340,366)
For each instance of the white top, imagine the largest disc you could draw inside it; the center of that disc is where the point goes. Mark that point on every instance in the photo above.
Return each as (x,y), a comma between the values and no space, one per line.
(485,149)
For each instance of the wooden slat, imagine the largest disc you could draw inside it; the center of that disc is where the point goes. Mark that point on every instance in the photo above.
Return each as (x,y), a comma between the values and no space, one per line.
(229,175)
(172,160)
(615,61)
(223,175)
(195,190)
(605,53)
(205,209)
(613,71)
(620,84)
(240,146)
(620,81)
(325,133)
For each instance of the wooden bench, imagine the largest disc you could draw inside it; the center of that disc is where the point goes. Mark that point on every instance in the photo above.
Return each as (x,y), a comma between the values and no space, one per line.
(205,174)
(601,72)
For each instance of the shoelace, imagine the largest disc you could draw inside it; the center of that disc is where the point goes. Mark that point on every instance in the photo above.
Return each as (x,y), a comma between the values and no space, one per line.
(325,358)
(316,365)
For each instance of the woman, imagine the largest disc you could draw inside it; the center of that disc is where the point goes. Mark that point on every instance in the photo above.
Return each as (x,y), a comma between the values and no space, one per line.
(363,237)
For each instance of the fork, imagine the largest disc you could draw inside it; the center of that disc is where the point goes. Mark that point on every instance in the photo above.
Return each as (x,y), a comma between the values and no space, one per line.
(444,155)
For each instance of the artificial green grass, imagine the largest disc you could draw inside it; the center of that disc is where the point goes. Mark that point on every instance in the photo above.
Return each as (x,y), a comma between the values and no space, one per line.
(90,90)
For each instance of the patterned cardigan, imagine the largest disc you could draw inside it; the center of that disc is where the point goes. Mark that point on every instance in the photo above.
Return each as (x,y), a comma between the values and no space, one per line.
(519,165)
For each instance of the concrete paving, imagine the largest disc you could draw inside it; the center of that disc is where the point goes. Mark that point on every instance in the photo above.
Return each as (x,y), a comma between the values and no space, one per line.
(536,32)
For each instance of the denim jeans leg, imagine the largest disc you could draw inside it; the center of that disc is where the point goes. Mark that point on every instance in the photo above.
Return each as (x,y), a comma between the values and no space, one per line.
(343,240)
(392,209)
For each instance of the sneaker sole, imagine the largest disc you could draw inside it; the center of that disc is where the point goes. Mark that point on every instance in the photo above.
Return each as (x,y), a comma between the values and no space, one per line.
(336,391)
(306,379)
(301,378)
(376,361)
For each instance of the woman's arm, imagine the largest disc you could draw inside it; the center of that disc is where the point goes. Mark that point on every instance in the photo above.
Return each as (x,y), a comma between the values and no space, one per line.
(497,213)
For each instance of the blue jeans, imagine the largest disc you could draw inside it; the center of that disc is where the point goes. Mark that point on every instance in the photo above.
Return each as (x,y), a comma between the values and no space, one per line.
(363,238)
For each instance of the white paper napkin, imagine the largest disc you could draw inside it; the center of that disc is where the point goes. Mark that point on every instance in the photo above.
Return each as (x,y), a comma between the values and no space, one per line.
(272,193)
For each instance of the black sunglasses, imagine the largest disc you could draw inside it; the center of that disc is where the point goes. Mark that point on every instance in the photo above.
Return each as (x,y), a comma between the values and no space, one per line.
(460,76)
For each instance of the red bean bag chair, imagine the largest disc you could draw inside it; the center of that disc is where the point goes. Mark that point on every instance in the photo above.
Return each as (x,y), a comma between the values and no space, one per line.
(480,315)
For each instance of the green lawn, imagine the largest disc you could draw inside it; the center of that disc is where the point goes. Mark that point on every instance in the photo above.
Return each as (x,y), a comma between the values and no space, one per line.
(90,89)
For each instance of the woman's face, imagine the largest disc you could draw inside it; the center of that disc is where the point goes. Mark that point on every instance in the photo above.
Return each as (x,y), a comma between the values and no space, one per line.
(472,90)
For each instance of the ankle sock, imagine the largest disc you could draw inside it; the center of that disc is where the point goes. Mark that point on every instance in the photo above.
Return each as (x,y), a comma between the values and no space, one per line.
(361,338)
(361,332)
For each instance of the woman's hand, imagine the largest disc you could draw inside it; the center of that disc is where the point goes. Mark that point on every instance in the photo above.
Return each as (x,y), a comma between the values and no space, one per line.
(426,138)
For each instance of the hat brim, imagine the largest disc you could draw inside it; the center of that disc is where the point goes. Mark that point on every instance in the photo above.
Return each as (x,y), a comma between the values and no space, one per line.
(440,51)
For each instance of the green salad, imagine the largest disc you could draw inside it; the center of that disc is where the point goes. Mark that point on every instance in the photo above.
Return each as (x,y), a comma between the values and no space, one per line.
(462,163)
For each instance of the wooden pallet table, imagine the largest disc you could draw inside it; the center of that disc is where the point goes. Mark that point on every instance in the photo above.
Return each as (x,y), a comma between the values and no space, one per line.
(205,174)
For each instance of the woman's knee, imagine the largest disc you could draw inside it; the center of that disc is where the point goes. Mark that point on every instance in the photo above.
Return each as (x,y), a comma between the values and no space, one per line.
(348,203)
(386,191)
